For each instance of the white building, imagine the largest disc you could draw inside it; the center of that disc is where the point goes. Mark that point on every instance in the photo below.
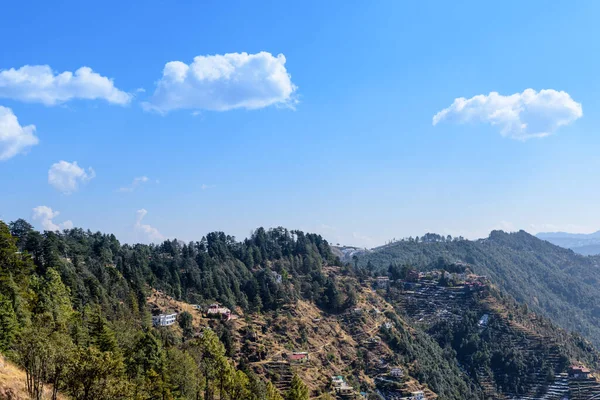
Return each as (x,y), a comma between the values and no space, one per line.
(277,277)
(337,381)
(164,319)
(397,372)
(418,395)
(340,386)
(383,282)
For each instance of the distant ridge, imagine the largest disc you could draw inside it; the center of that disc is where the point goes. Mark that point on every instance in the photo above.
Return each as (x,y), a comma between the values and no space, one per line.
(582,243)
(551,280)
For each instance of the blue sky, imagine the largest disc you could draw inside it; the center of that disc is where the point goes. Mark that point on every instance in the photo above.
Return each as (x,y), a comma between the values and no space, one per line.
(342,143)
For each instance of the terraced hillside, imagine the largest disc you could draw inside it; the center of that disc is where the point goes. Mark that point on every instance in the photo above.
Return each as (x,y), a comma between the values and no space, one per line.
(480,325)
(394,338)
(552,281)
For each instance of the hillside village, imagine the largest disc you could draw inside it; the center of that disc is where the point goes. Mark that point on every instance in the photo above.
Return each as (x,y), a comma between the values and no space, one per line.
(347,356)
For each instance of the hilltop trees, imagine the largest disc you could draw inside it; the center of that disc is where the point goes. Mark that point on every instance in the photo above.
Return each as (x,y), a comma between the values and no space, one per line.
(73,314)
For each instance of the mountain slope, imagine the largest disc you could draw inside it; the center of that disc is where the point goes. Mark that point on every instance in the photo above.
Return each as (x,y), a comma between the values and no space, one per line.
(551,280)
(76,307)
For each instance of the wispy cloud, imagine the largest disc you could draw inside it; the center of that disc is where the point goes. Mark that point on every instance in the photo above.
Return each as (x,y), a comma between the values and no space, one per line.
(204,186)
(66,177)
(145,232)
(519,116)
(40,84)
(224,82)
(44,215)
(137,181)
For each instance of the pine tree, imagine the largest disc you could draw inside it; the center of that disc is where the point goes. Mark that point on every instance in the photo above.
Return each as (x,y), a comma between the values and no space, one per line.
(272,393)
(8,324)
(298,390)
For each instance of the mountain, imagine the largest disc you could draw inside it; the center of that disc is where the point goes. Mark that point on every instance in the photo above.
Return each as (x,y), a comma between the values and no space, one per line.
(582,243)
(551,280)
(88,318)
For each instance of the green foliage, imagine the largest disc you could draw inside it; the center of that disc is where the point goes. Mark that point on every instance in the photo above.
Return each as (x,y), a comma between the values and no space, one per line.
(73,314)
(94,374)
(272,393)
(185,322)
(8,324)
(298,390)
(553,281)
(429,363)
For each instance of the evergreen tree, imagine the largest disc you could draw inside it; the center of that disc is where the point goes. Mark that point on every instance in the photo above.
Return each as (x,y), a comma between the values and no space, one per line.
(298,390)
(272,393)
(8,324)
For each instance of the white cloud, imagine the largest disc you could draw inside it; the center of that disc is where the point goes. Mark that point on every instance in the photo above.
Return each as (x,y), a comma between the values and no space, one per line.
(137,181)
(14,138)
(66,176)
(44,215)
(519,116)
(146,233)
(224,82)
(204,186)
(38,83)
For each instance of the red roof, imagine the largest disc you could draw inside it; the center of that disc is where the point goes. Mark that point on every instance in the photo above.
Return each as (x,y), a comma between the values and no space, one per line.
(297,356)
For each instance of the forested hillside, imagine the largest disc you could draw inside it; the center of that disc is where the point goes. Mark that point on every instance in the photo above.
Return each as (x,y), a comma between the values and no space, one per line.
(76,307)
(554,281)
(73,309)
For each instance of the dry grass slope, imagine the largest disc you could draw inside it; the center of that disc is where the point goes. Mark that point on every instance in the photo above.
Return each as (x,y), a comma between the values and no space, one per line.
(13,384)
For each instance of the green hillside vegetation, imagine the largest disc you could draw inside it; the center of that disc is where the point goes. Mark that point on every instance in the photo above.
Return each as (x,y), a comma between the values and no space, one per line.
(74,314)
(551,280)
(73,310)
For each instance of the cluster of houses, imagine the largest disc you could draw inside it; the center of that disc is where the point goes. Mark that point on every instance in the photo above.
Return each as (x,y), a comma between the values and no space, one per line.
(416,395)
(471,281)
(215,310)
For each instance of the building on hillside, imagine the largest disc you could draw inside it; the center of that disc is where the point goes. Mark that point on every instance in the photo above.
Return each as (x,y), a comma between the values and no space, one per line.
(579,372)
(383,282)
(215,310)
(383,365)
(345,391)
(484,320)
(396,372)
(357,311)
(458,277)
(164,319)
(337,381)
(340,387)
(418,395)
(412,276)
(277,277)
(196,307)
(299,357)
